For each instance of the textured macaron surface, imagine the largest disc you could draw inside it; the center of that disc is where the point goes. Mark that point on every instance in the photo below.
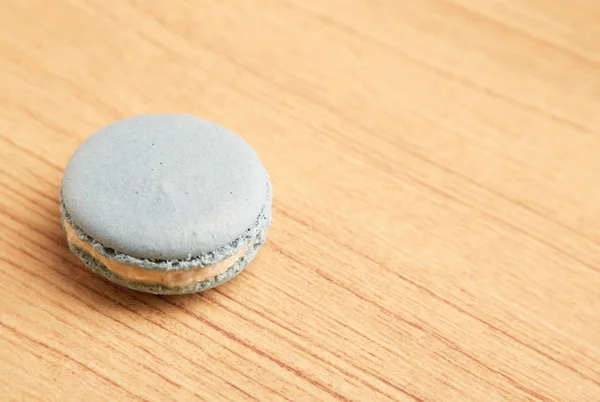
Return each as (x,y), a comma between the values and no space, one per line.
(164,187)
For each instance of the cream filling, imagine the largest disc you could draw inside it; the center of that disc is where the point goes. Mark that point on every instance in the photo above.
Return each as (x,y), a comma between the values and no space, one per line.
(147,276)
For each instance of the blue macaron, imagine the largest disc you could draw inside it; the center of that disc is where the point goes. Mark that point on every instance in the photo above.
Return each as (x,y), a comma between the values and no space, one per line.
(166,203)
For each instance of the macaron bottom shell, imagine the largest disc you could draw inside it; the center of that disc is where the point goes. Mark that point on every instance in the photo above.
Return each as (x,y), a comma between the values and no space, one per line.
(98,268)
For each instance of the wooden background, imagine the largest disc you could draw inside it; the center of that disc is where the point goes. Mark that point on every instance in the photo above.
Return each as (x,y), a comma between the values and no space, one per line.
(436,230)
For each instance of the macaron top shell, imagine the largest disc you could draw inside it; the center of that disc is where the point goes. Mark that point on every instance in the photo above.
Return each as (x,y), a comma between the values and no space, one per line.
(164,187)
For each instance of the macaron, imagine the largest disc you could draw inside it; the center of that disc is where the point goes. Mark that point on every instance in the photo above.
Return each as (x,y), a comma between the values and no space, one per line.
(165,203)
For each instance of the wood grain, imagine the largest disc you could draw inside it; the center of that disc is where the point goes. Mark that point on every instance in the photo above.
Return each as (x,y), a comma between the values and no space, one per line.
(436,227)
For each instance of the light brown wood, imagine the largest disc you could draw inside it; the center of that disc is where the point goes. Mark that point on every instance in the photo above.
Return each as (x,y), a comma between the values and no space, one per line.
(436,231)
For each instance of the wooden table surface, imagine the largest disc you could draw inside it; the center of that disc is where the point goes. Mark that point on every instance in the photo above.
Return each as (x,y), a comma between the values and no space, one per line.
(436,227)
